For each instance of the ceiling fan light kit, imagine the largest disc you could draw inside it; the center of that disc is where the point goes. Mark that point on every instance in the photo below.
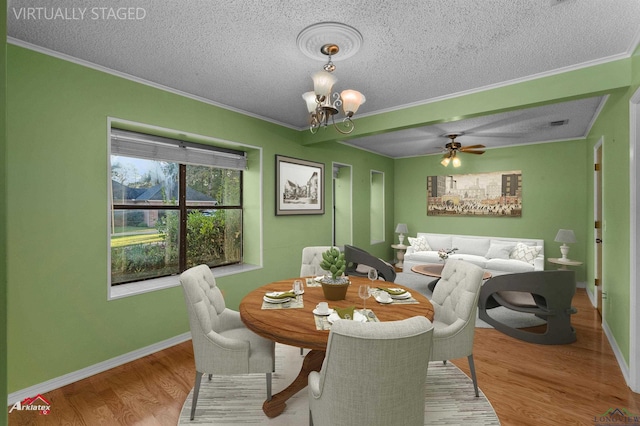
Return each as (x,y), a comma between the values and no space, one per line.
(453,148)
(322,104)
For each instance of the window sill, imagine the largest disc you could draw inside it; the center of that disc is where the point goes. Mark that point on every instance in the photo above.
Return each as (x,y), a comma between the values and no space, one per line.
(141,287)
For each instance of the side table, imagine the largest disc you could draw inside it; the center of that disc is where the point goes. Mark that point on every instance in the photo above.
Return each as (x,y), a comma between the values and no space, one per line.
(564,262)
(400,249)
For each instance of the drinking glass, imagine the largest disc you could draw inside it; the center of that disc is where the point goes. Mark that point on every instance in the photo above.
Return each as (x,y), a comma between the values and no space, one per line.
(364,291)
(373,275)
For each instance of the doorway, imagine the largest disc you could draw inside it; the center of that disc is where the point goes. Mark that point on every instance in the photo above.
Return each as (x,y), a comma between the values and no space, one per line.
(342,208)
(597,229)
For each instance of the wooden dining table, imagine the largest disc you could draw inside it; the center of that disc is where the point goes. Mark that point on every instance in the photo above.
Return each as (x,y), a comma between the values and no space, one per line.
(297,326)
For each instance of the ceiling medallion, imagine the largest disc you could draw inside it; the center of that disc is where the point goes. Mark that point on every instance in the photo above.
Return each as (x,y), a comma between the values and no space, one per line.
(314,37)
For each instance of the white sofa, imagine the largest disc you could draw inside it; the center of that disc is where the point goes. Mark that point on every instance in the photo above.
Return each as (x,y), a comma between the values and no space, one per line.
(499,255)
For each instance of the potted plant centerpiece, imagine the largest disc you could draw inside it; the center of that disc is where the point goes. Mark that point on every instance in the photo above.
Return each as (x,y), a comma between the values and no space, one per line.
(336,284)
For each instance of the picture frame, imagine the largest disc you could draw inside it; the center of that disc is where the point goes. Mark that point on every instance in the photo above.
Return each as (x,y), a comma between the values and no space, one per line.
(299,186)
(492,194)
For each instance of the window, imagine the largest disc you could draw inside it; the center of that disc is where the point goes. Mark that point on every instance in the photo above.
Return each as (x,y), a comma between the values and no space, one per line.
(174,205)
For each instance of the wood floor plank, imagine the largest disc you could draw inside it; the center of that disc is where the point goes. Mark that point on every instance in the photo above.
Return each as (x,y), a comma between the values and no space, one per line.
(527,384)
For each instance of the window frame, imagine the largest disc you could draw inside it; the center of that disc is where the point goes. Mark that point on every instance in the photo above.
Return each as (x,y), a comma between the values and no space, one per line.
(255,218)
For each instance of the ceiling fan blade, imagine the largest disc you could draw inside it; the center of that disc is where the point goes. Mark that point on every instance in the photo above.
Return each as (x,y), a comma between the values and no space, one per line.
(464,148)
(473,152)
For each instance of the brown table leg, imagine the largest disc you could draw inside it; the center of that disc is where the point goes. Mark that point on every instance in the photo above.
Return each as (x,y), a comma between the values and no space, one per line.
(312,362)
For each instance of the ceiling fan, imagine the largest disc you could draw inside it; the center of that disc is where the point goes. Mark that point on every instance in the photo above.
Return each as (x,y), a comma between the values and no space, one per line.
(452,148)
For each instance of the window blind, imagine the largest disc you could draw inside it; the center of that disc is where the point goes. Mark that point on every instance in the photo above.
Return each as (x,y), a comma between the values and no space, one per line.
(150,147)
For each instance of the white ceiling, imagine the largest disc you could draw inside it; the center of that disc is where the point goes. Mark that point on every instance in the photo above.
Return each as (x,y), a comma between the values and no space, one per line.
(243,55)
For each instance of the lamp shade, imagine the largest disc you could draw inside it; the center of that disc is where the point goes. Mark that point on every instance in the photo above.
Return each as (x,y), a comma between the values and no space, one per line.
(323,82)
(401,228)
(351,101)
(565,236)
(310,99)
(456,161)
(445,161)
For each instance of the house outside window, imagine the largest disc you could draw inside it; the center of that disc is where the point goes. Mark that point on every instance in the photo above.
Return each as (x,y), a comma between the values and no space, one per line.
(173,205)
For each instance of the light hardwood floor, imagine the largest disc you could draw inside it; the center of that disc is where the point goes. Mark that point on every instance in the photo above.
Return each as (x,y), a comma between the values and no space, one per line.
(527,384)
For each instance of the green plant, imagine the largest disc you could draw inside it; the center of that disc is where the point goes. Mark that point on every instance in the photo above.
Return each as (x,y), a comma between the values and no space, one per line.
(333,261)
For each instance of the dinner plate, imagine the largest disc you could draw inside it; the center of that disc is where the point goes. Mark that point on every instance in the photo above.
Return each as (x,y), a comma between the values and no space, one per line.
(270,300)
(329,312)
(379,299)
(402,296)
(357,316)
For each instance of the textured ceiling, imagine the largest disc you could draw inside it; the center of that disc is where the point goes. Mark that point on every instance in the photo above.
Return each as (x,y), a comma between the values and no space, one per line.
(243,54)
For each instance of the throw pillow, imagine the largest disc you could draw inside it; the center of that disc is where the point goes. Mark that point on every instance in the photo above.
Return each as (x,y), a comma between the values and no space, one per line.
(499,250)
(419,244)
(525,253)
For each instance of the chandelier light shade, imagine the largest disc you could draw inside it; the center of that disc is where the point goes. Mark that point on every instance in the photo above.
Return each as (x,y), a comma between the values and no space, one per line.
(310,99)
(351,101)
(323,82)
(323,104)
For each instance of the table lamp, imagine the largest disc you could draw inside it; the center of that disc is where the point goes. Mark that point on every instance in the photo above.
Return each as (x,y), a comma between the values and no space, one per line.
(401,229)
(565,236)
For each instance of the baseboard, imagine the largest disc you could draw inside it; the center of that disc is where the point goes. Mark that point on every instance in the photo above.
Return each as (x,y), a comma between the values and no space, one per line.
(624,368)
(592,297)
(72,377)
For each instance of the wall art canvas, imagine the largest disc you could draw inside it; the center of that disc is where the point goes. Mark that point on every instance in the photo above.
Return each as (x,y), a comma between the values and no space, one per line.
(299,186)
(494,194)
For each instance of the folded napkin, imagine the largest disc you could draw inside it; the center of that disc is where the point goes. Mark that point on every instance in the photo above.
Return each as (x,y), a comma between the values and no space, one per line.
(280,294)
(393,291)
(345,313)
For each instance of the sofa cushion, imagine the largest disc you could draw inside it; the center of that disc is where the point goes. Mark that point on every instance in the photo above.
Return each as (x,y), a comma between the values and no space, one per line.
(525,253)
(424,257)
(476,246)
(499,250)
(437,242)
(419,244)
(508,265)
(471,258)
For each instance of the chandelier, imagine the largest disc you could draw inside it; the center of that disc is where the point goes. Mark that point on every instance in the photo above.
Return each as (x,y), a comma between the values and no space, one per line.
(323,104)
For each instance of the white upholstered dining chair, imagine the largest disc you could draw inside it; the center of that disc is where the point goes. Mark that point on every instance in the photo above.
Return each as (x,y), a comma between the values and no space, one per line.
(311,259)
(455,302)
(373,374)
(221,343)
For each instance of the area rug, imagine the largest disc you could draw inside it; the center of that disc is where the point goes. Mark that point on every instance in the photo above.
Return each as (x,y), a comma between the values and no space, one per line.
(237,400)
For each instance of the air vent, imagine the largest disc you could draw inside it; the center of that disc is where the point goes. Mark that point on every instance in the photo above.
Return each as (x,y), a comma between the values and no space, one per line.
(558,123)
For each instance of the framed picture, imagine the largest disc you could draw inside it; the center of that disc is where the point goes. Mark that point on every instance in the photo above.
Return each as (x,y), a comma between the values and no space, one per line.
(299,186)
(494,194)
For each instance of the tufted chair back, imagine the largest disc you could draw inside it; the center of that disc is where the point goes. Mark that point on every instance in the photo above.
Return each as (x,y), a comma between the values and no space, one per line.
(311,258)
(221,342)
(455,302)
(387,361)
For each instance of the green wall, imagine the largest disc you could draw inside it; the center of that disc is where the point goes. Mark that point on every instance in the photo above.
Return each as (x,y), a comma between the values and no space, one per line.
(59,318)
(553,195)
(3,204)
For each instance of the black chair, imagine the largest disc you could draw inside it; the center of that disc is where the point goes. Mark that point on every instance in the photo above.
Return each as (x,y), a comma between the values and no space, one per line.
(546,294)
(355,257)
